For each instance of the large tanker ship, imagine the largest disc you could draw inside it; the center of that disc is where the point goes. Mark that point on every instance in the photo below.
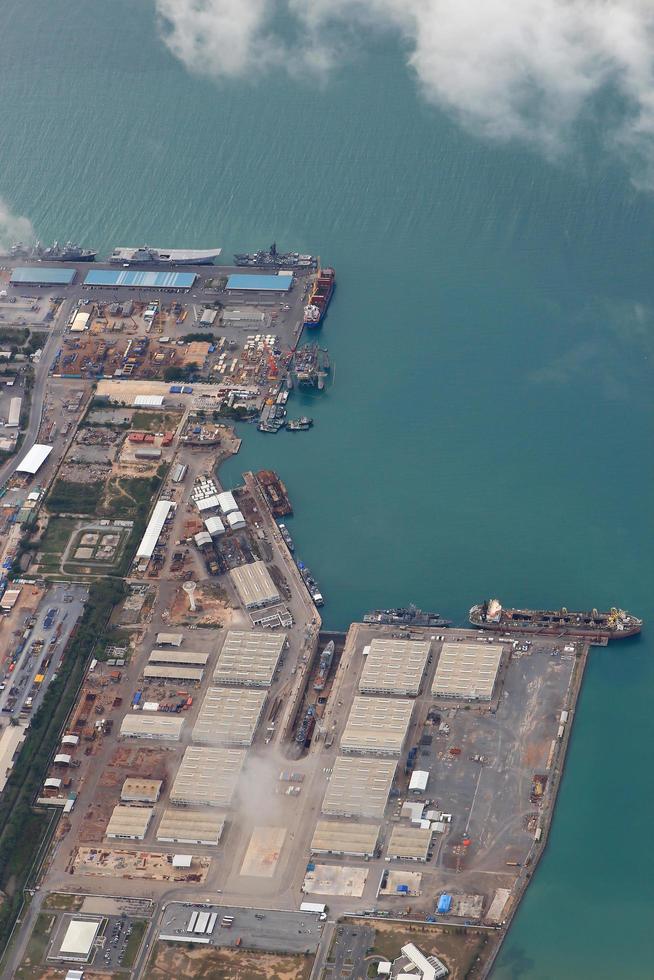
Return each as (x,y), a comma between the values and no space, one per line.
(593,625)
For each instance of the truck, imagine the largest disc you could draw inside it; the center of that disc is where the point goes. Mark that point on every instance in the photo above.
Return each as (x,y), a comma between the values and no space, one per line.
(316,907)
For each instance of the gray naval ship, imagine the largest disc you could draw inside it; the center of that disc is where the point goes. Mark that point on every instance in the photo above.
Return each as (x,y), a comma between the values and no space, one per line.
(145,255)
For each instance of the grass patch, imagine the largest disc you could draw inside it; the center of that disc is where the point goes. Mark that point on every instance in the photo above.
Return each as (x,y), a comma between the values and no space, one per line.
(155,421)
(57,535)
(75,498)
(37,946)
(63,902)
(134,942)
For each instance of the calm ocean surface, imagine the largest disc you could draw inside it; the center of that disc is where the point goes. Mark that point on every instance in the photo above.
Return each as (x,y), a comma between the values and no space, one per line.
(489,429)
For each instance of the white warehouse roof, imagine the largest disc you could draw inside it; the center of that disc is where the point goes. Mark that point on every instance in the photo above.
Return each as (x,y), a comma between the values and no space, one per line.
(207,776)
(359,787)
(129,822)
(214,526)
(419,780)
(394,667)
(253,584)
(148,401)
(226,502)
(155,527)
(467,671)
(229,716)
(249,658)
(169,639)
(14,412)
(190,827)
(166,727)
(34,459)
(79,938)
(377,726)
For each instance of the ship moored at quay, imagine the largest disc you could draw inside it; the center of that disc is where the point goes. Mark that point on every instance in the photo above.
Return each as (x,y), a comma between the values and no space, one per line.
(594,626)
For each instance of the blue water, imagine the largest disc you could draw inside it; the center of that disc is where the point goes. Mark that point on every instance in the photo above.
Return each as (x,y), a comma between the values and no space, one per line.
(488,430)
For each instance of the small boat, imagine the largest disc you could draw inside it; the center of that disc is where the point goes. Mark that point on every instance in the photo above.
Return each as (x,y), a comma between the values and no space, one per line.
(299,425)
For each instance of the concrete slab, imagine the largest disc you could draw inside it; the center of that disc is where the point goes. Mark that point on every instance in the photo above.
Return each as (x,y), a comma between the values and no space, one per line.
(263,852)
(334,879)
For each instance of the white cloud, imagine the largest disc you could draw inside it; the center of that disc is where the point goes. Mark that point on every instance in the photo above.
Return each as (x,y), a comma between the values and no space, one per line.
(523,69)
(13,228)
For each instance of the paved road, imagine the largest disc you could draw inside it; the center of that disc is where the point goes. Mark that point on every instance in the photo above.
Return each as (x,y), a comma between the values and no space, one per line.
(41,373)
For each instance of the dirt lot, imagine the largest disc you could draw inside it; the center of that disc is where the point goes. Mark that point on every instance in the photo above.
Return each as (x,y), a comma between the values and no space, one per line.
(458,950)
(212,604)
(225,964)
(117,863)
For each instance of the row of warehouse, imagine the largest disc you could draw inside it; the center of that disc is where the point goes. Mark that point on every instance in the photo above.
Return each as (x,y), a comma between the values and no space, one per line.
(167,281)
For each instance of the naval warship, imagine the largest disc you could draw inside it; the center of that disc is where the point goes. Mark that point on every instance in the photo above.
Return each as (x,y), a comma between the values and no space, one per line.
(144,255)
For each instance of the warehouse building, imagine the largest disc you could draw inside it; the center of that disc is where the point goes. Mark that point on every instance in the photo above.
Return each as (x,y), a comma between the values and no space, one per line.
(33,460)
(359,787)
(226,502)
(169,639)
(40,275)
(129,822)
(467,671)
(249,659)
(79,936)
(280,282)
(188,675)
(377,726)
(174,282)
(137,790)
(191,827)
(155,526)
(207,776)
(168,728)
(345,838)
(80,322)
(409,843)
(13,419)
(394,667)
(253,584)
(177,658)
(229,716)
(214,526)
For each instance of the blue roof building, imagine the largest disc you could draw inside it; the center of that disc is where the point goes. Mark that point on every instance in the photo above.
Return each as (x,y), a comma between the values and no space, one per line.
(280,283)
(135,279)
(41,275)
(444,904)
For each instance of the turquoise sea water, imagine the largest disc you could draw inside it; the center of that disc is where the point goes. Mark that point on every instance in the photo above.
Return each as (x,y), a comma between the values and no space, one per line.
(489,427)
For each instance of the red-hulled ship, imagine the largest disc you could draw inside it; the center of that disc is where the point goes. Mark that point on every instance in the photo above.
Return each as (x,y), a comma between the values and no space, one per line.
(319,297)
(593,626)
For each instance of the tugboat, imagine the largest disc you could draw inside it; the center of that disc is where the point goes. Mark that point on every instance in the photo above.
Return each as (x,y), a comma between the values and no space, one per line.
(593,626)
(299,425)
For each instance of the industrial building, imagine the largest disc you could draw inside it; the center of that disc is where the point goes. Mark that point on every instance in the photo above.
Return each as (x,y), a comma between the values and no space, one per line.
(377,726)
(41,275)
(214,526)
(177,658)
(418,781)
(467,671)
(169,639)
(394,667)
(249,659)
(345,838)
(191,827)
(168,728)
(13,419)
(416,965)
(155,526)
(129,822)
(80,322)
(236,520)
(138,279)
(253,584)
(207,776)
(359,787)
(189,675)
(138,790)
(34,459)
(279,283)
(78,939)
(226,502)
(229,716)
(409,843)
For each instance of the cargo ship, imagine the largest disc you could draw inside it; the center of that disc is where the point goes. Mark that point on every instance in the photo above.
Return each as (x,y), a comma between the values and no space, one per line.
(144,255)
(319,297)
(593,625)
(405,616)
(272,259)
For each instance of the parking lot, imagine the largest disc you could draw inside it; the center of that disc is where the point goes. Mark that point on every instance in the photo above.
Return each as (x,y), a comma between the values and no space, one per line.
(261,929)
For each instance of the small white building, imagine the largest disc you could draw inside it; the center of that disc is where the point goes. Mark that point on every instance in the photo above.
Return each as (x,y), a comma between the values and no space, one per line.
(235,520)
